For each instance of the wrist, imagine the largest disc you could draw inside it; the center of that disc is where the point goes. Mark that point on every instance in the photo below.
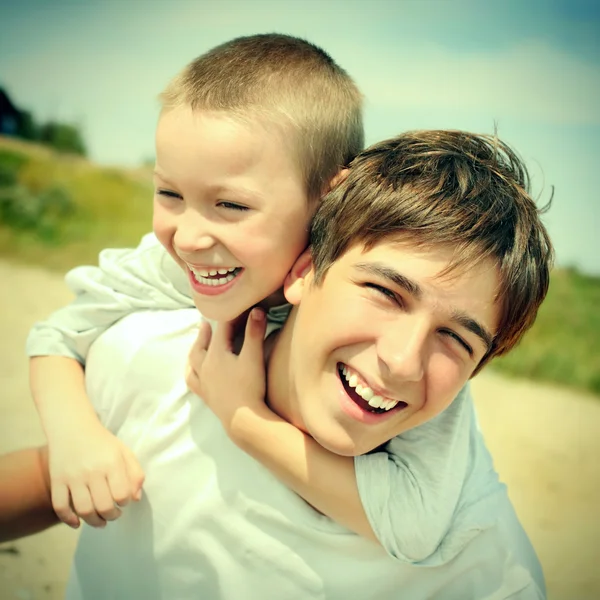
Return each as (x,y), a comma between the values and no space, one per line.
(64,423)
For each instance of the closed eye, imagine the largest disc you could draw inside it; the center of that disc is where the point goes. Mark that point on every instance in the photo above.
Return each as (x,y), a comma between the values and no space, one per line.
(169,194)
(458,339)
(232,206)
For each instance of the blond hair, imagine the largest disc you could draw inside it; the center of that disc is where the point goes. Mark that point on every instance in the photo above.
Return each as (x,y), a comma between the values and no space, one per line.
(450,188)
(284,80)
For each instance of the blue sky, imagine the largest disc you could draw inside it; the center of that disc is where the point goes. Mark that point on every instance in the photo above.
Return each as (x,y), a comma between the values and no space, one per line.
(531,67)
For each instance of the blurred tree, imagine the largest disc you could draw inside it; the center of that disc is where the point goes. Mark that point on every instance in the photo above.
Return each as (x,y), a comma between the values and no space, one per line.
(62,137)
(29,129)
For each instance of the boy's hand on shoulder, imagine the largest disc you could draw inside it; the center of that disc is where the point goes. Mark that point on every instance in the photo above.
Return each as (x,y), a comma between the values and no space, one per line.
(92,474)
(228,382)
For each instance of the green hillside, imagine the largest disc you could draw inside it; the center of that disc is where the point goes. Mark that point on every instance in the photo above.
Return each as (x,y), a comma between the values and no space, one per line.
(59,210)
(564,344)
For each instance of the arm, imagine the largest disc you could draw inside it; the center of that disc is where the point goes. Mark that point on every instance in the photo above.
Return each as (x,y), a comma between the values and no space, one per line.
(89,467)
(25,505)
(325,480)
(234,388)
(125,281)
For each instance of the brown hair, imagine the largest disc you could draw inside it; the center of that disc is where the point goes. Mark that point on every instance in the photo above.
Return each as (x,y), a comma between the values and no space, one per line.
(445,188)
(284,80)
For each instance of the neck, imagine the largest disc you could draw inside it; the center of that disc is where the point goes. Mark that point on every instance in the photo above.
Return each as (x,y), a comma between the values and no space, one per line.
(281,396)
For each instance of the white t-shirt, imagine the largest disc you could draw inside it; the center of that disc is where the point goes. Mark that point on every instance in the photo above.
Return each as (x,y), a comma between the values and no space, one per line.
(213,523)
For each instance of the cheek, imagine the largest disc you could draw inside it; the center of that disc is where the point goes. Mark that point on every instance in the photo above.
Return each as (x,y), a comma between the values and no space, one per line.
(164,226)
(288,231)
(269,246)
(444,380)
(331,321)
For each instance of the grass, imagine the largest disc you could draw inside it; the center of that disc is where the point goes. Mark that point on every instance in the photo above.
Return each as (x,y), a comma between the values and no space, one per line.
(100,207)
(563,346)
(112,208)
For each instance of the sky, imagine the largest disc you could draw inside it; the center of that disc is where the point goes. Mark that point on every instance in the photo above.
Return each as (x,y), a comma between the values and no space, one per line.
(531,69)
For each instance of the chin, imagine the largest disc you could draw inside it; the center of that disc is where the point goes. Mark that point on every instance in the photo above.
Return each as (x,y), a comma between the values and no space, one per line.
(339,444)
(214,312)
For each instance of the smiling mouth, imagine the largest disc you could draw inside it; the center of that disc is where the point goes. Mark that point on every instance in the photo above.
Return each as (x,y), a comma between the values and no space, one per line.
(363,396)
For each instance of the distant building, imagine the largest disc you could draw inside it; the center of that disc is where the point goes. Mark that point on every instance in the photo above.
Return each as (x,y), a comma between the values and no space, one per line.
(11,118)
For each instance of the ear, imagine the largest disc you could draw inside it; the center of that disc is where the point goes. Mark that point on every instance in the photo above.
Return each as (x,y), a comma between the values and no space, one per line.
(338,178)
(297,278)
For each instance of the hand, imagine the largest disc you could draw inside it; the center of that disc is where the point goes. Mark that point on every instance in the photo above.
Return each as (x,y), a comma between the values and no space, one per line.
(92,474)
(227,382)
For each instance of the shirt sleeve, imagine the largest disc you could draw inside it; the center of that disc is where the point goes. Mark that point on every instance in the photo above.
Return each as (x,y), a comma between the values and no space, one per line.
(530,592)
(411,490)
(125,281)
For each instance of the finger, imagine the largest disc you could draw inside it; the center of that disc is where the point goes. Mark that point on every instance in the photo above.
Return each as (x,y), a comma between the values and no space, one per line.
(62,505)
(192,380)
(254,336)
(84,506)
(204,336)
(198,350)
(223,337)
(239,324)
(136,476)
(119,487)
(102,498)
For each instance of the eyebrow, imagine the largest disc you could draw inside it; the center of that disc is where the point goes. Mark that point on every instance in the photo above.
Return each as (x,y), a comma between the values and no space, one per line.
(158,174)
(415,290)
(381,270)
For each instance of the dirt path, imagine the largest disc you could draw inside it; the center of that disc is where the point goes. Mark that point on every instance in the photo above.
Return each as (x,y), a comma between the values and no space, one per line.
(546,443)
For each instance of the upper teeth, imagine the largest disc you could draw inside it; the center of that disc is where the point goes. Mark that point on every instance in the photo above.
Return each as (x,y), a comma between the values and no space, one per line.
(366,393)
(203,274)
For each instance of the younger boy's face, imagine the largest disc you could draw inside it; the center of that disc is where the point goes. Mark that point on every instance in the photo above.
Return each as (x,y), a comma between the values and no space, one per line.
(384,327)
(229,206)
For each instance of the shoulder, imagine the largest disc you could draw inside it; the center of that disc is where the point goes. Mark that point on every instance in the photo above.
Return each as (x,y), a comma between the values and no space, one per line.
(146,350)
(486,528)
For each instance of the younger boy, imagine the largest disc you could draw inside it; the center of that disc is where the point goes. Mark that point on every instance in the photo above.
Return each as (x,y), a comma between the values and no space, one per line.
(249,137)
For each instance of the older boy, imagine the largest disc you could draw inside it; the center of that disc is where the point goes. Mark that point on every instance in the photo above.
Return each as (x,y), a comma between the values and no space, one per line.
(449,273)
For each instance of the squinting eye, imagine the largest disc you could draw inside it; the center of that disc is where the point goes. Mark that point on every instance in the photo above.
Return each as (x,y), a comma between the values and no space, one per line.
(232,206)
(459,340)
(383,291)
(169,194)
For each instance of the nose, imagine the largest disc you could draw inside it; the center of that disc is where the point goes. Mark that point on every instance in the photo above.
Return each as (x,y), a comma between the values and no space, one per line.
(194,232)
(402,348)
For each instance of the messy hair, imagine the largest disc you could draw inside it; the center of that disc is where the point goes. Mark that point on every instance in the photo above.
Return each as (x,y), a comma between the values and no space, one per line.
(451,188)
(287,82)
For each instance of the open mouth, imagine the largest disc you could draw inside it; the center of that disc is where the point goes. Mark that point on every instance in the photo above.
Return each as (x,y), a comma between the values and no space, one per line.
(363,396)
(215,277)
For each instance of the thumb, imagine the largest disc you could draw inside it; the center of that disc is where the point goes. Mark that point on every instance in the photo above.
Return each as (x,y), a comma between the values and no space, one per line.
(254,336)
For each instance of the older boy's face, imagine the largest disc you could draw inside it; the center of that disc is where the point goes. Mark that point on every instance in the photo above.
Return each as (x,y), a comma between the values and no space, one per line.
(229,206)
(383,344)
